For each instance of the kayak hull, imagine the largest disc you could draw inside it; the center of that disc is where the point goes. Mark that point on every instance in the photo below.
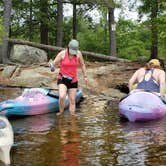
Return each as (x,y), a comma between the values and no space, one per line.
(33,104)
(142,106)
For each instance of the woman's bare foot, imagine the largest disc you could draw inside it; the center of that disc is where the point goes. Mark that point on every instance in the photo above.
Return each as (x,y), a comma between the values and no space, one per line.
(72,114)
(59,113)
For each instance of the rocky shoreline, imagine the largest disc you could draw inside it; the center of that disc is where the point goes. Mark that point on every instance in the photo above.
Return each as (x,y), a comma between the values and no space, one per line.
(104,78)
(107,81)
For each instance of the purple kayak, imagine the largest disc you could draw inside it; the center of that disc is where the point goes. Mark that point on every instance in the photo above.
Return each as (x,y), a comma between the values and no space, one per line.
(34,101)
(142,106)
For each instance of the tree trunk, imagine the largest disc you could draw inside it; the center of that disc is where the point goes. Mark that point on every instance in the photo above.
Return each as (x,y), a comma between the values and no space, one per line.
(59,31)
(6,24)
(30,21)
(154,30)
(74,21)
(44,20)
(112,30)
(57,49)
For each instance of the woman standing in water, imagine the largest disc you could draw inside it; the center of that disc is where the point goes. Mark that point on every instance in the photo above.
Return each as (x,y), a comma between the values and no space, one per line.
(69,60)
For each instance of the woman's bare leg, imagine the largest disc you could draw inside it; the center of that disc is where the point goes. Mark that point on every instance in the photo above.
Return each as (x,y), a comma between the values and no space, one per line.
(72,100)
(62,96)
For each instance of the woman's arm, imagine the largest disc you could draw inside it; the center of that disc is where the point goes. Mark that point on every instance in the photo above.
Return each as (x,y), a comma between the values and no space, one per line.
(56,61)
(162,79)
(133,80)
(82,64)
(83,67)
(59,57)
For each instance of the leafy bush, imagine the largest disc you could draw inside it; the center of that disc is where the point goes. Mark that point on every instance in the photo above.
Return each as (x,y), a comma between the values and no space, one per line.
(1,30)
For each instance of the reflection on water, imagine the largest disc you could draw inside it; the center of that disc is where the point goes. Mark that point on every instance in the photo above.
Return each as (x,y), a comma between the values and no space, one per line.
(70,142)
(33,124)
(96,137)
(149,139)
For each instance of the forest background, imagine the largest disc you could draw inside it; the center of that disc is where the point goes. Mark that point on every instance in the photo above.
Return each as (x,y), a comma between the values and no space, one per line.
(44,21)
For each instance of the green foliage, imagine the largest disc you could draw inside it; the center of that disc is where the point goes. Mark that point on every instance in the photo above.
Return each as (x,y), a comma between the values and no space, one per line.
(132,40)
(162,36)
(94,40)
(134,50)
(156,14)
(1,30)
(91,36)
(21,20)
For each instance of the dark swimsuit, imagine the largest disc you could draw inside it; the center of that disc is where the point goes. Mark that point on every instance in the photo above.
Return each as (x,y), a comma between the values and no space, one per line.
(149,85)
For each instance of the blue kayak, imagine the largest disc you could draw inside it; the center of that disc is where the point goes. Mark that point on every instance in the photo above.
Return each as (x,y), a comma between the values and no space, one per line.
(34,101)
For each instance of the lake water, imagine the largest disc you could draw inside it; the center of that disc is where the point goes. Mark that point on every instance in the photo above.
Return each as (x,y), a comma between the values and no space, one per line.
(95,137)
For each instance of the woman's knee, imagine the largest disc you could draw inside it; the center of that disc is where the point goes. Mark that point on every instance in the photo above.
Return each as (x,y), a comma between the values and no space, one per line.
(72,101)
(62,97)
(62,92)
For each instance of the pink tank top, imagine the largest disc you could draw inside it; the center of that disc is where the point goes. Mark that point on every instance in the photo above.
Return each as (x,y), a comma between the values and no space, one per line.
(68,67)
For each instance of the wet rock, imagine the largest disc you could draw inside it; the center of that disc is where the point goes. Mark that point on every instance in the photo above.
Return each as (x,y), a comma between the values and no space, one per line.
(8,71)
(114,93)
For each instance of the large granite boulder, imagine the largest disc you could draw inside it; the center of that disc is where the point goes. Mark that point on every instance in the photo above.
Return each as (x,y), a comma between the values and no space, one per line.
(27,55)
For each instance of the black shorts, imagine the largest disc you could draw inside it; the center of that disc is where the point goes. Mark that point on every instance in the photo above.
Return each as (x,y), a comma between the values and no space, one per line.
(69,85)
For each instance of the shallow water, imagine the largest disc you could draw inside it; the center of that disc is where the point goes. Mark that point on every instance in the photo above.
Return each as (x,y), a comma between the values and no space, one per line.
(95,137)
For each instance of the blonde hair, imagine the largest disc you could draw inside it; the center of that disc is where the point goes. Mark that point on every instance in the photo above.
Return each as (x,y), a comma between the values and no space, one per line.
(153,63)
